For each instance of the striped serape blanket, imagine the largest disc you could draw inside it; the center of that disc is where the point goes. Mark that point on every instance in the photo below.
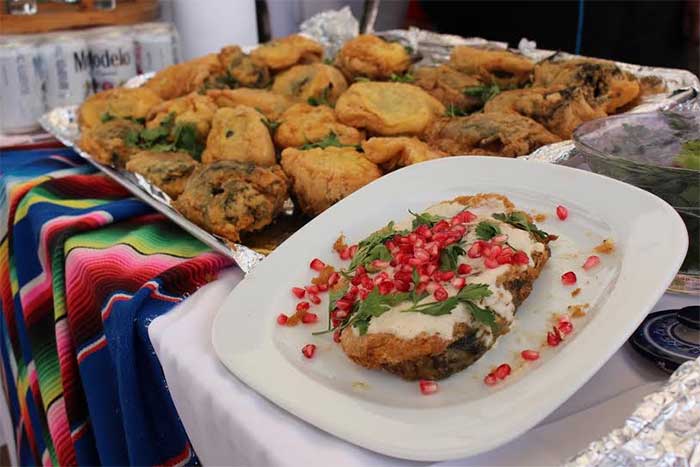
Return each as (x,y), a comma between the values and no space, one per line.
(84,268)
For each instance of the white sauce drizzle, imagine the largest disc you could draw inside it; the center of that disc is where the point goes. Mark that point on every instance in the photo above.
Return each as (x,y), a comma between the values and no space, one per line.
(410,325)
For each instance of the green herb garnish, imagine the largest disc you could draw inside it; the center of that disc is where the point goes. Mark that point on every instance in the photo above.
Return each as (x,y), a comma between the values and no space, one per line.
(518,219)
(167,137)
(689,156)
(449,257)
(483,92)
(323,99)
(405,78)
(425,218)
(453,111)
(331,140)
(105,117)
(270,124)
(366,246)
(486,230)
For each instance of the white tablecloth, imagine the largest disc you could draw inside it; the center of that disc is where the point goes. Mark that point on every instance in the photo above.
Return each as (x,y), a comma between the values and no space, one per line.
(230,424)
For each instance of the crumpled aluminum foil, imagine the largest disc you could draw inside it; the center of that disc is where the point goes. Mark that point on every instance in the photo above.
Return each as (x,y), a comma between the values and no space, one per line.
(663,431)
(331,28)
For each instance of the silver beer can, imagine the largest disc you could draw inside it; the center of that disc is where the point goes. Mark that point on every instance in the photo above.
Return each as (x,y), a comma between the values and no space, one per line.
(21,99)
(112,59)
(156,46)
(65,66)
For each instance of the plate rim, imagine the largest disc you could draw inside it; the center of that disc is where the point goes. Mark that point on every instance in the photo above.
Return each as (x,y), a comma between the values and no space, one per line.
(425,453)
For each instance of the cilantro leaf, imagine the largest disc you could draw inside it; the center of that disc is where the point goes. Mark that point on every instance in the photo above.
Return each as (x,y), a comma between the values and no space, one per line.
(374,306)
(483,315)
(405,78)
(449,257)
(331,140)
(518,219)
(365,247)
(425,218)
(270,124)
(105,117)
(484,92)
(323,98)
(486,230)
(474,292)
(185,139)
(454,111)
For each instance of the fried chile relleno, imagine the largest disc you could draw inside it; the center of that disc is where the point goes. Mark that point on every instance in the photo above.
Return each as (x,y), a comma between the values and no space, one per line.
(229,197)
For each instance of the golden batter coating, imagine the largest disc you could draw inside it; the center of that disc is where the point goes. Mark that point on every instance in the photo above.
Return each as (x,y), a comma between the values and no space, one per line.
(447,85)
(106,142)
(560,111)
(317,83)
(322,177)
(604,84)
(490,134)
(372,57)
(504,68)
(288,51)
(116,103)
(388,108)
(184,78)
(239,134)
(229,197)
(304,123)
(169,171)
(398,151)
(268,103)
(193,108)
(241,69)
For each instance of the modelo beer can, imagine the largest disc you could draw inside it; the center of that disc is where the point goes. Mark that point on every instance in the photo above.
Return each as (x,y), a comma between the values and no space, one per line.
(156,46)
(112,60)
(65,67)
(21,100)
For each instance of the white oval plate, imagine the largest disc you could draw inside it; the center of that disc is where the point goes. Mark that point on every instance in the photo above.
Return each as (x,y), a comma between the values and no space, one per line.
(465,417)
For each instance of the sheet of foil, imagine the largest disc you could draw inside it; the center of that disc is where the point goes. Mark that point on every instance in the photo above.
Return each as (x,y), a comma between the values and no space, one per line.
(332,28)
(664,431)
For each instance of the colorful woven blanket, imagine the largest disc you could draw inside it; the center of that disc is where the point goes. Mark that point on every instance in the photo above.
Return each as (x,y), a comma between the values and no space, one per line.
(84,268)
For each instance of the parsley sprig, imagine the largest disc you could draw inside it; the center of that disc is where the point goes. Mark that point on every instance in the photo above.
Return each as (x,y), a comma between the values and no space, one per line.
(484,92)
(167,137)
(369,248)
(425,218)
(405,78)
(519,220)
(449,257)
(454,111)
(323,98)
(487,230)
(331,140)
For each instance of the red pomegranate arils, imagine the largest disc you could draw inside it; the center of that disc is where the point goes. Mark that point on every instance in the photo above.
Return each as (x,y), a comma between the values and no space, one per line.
(520,257)
(317,265)
(353,250)
(402,286)
(530,355)
(309,318)
(303,306)
(312,289)
(553,337)
(504,258)
(323,287)
(379,264)
(502,371)
(336,336)
(282,319)
(385,287)
(446,275)
(500,238)
(568,278)
(298,292)
(339,314)
(427,387)
(562,213)
(441,226)
(344,254)
(474,250)
(495,251)
(440,294)
(458,283)
(490,379)
(565,327)
(344,304)
(363,294)
(591,262)
(464,269)
(308,350)
(315,299)
(491,263)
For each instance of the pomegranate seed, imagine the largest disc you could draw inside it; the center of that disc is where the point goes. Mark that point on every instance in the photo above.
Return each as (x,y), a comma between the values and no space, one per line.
(317,265)
(367,282)
(464,269)
(553,338)
(440,294)
(520,257)
(336,336)
(323,287)
(504,258)
(282,319)
(565,327)
(490,379)
(314,299)
(434,250)
(502,371)
(344,254)
(357,280)
(502,238)
(530,355)
(421,254)
(427,387)
(402,286)
(308,350)
(491,263)
(459,229)
(423,278)
(415,261)
(446,275)
(495,251)
(364,293)
(339,314)
(424,231)
(352,292)
(309,318)
(421,287)
(390,245)
(312,289)
(361,271)
(335,322)
(568,278)
(303,306)
(379,264)
(458,282)
(466,216)
(333,279)
(298,292)
(562,213)
(591,262)
(441,226)
(353,250)
(344,304)
(430,269)
(475,250)
(386,287)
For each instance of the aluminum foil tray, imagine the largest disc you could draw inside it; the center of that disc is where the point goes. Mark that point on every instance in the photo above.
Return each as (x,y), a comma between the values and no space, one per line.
(428,48)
